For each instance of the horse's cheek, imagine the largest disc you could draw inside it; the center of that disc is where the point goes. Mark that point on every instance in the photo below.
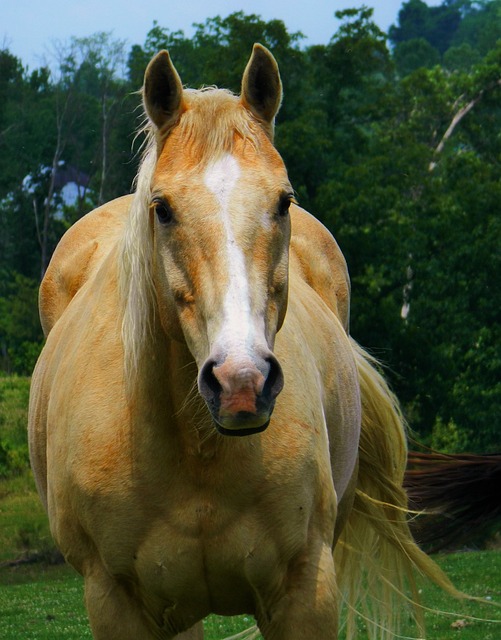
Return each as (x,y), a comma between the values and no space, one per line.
(167,312)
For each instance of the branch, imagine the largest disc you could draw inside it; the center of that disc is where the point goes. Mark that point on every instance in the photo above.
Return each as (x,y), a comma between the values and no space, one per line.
(457,119)
(450,129)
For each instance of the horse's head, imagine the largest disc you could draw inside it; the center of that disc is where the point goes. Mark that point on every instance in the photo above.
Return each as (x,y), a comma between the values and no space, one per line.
(219,201)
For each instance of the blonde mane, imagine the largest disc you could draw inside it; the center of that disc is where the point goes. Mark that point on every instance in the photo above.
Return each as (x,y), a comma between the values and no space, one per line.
(209,125)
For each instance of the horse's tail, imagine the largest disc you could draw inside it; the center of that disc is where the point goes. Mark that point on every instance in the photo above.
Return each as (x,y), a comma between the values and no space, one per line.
(376,555)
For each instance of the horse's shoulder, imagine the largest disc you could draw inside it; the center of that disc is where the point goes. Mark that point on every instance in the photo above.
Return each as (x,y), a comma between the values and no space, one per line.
(77,256)
(320,262)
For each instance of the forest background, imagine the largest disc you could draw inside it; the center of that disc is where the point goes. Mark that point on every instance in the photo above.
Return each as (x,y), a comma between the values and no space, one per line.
(392,140)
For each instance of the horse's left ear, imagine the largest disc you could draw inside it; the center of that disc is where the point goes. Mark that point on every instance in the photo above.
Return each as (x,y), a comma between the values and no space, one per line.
(262,87)
(162,92)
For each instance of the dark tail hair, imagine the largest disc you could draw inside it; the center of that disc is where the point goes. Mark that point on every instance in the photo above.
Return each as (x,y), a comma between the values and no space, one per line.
(458,495)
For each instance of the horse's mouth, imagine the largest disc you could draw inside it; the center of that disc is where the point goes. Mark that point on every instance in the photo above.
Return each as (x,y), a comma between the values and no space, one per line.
(240,431)
(242,423)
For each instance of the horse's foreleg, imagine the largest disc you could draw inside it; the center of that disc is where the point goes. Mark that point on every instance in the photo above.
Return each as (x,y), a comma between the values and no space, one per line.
(115,614)
(308,608)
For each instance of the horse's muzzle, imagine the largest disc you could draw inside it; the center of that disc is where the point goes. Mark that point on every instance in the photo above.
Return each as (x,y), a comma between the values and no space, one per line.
(241,395)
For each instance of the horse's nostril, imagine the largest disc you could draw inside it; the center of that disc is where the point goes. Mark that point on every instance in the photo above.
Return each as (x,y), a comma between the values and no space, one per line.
(208,384)
(275,380)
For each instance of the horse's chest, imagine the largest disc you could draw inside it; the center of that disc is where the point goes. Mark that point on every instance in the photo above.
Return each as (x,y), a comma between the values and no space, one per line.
(208,540)
(207,555)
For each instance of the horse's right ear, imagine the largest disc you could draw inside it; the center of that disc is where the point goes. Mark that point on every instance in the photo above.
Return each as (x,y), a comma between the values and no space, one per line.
(162,92)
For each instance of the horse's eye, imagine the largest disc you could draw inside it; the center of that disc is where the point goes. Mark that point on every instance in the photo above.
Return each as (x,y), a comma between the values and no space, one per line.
(284,205)
(163,211)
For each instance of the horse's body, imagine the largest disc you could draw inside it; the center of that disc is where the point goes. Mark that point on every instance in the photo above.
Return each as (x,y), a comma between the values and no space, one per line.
(198,274)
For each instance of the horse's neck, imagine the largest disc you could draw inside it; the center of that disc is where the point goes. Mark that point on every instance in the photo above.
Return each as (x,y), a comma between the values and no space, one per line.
(168,387)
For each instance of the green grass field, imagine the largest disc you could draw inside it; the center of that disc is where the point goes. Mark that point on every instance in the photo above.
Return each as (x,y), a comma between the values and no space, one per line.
(45,602)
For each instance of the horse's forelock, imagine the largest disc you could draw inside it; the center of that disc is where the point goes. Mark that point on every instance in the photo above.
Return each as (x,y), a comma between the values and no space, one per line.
(212,119)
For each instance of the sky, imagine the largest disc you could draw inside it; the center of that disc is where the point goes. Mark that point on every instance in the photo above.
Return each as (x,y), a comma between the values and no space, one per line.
(29,27)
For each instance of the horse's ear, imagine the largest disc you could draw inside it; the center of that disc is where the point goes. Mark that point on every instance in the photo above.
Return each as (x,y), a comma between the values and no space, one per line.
(262,87)
(162,91)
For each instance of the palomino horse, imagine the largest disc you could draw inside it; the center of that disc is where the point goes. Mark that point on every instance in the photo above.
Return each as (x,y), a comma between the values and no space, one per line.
(178,319)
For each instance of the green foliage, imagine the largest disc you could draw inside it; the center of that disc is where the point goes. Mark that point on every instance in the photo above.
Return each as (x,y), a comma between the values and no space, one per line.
(461,58)
(13,460)
(24,533)
(51,121)
(416,53)
(416,212)
(14,394)
(437,25)
(24,527)
(447,437)
(466,26)
(225,43)
(480,26)
(20,331)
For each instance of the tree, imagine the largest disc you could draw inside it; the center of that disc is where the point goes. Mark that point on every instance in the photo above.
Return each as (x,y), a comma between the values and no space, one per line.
(417,218)
(100,74)
(414,54)
(437,25)
(20,332)
(480,26)
(476,23)
(87,88)
(16,95)
(343,88)
(11,73)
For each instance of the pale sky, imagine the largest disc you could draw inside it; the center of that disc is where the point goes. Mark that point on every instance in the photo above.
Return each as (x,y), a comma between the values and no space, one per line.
(28,27)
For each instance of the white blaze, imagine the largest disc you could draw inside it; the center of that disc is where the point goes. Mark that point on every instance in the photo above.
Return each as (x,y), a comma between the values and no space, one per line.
(236,332)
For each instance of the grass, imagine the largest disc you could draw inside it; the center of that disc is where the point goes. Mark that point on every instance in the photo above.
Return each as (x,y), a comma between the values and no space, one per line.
(24,527)
(477,573)
(45,603)
(42,603)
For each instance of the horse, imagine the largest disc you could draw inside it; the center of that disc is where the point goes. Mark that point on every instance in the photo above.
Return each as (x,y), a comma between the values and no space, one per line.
(204,433)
